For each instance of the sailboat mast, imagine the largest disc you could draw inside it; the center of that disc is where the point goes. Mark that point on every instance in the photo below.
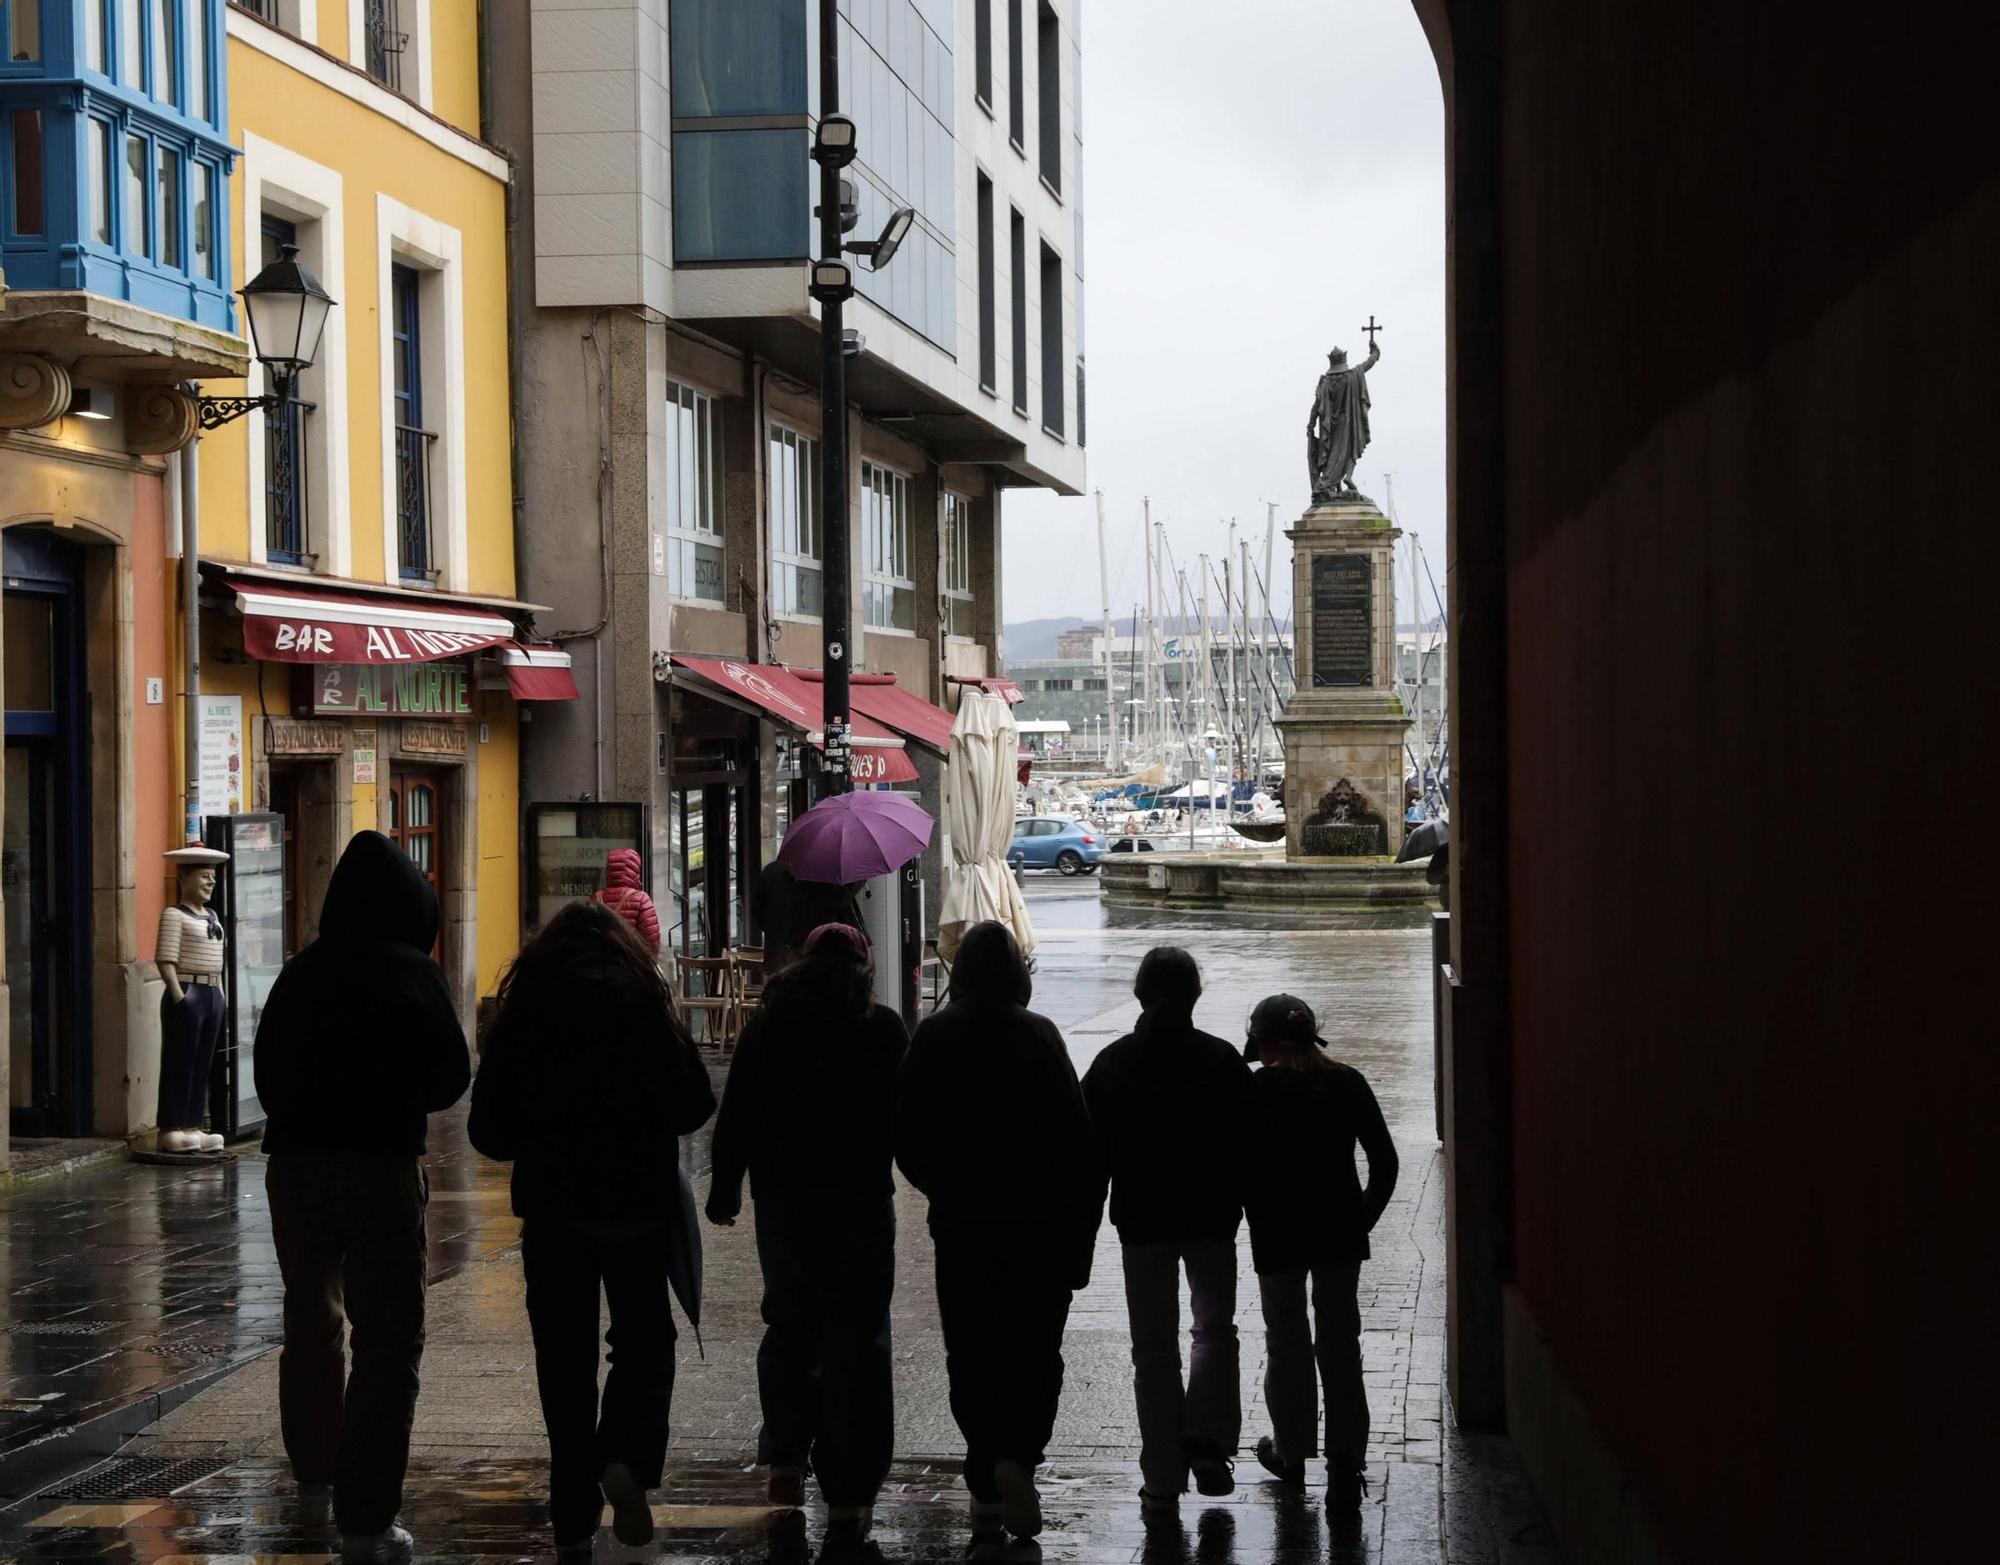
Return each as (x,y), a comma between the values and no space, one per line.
(1149,713)
(1110,663)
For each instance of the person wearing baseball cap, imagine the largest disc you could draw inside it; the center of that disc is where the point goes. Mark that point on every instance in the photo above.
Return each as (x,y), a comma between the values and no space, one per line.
(1310,1218)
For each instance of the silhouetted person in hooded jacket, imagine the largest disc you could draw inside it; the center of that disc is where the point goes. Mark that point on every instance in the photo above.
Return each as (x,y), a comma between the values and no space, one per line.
(358,1043)
(990,1125)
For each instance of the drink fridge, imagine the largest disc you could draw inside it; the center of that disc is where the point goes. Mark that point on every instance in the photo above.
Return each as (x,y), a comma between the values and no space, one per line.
(250,899)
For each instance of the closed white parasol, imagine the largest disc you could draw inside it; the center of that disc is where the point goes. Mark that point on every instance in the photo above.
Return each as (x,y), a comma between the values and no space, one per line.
(979,819)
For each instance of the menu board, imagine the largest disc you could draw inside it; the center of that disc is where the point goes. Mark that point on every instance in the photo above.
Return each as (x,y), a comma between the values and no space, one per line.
(1343,620)
(567,844)
(252,907)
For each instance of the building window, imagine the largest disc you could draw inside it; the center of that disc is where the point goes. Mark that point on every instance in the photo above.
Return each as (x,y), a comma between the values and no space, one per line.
(737,57)
(93,37)
(168,205)
(1079,400)
(1017,79)
(165,68)
(197,63)
(138,226)
(381,23)
(988,288)
(796,538)
(955,522)
(740,195)
(286,539)
(23,28)
(1048,44)
(24,158)
(1020,259)
(100,181)
(1052,342)
(694,494)
(204,220)
(414,442)
(131,65)
(888,591)
(982,53)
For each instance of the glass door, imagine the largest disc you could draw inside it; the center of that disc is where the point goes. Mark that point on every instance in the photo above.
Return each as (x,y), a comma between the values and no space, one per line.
(415,816)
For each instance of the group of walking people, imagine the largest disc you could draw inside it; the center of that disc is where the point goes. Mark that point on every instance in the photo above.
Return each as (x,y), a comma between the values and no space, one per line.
(588,1079)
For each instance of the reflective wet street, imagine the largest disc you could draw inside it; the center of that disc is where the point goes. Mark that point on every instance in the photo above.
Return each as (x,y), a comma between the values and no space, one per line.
(129,1288)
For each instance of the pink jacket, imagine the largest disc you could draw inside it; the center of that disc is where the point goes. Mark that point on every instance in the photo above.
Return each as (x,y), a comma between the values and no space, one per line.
(625,895)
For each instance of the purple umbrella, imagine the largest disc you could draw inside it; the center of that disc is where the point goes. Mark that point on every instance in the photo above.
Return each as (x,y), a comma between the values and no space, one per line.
(855,836)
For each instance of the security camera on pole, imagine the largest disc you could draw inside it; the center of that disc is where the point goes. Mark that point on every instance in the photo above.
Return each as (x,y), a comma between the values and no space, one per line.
(834,147)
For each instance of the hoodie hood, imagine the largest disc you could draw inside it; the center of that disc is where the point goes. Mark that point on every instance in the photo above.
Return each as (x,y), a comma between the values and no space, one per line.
(989,969)
(621,870)
(377,895)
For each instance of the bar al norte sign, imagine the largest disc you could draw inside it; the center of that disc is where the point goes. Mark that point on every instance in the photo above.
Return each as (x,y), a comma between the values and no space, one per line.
(393,689)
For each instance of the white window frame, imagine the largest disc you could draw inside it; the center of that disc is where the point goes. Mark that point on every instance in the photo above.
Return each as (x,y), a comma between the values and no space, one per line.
(416,68)
(277,179)
(888,559)
(797,529)
(694,490)
(955,566)
(407,237)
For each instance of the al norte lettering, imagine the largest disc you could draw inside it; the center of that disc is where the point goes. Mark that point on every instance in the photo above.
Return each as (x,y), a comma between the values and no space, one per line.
(412,690)
(381,643)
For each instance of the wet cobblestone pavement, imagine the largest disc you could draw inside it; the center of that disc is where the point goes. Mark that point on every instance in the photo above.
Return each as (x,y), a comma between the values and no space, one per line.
(186,1257)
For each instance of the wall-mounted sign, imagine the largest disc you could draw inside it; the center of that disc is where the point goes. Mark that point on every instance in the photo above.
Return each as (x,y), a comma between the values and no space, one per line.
(364,755)
(303,736)
(433,739)
(221,755)
(398,690)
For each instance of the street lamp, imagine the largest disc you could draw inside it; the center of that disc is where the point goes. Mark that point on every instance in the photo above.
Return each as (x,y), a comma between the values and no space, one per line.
(287,309)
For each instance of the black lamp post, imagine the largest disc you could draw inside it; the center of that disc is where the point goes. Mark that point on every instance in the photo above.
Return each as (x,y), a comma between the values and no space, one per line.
(287,309)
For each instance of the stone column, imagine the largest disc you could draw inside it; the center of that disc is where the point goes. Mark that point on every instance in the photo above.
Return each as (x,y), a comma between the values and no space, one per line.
(1345,719)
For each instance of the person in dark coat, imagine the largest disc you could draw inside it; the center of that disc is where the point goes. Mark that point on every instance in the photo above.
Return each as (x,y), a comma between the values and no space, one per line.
(586,1082)
(358,1042)
(1310,1217)
(990,1125)
(624,892)
(806,1115)
(1169,1112)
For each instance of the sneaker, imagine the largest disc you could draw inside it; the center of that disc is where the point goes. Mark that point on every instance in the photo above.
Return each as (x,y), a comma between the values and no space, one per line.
(581,1549)
(988,1517)
(1213,1472)
(785,1487)
(1292,1473)
(394,1547)
(1020,1500)
(1151,1504)
(179,1141)
(315,1504)
(210,1142)
(1346,1487)
(631,1516)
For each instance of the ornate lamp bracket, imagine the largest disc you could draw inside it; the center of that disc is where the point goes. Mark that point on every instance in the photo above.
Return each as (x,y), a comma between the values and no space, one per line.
(214,412)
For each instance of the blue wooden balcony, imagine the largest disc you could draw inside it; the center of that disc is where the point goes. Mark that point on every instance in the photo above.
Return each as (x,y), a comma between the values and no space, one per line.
(114,168)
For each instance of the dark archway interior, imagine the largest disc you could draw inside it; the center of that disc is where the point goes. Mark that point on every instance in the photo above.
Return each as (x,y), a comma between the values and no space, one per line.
(1723,312)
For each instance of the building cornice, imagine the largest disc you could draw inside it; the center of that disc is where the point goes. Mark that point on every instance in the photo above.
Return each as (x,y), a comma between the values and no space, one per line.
(357,86)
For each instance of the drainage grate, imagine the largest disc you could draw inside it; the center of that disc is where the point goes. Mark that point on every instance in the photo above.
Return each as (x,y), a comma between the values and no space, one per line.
(138,1478)
(56,1328)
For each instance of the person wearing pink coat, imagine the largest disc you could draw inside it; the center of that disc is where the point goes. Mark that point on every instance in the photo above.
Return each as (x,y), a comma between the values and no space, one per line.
(625,894)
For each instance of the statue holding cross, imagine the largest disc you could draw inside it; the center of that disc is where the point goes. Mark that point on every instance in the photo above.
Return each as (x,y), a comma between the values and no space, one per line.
(1337,429)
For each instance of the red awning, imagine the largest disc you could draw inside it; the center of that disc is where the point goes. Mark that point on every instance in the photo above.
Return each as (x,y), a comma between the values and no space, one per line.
(1005,689)
(538,673)
(283,623)
(880,697)
(779,693)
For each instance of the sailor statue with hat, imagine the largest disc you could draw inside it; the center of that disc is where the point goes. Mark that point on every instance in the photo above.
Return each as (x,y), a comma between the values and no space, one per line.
(190,959)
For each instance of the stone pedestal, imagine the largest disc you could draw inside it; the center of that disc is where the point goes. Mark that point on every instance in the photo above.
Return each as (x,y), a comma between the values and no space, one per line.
(1345,719)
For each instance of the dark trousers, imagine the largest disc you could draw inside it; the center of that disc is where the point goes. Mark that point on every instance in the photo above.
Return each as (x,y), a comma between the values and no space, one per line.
(1208,1409)
(1003,1303)
(1292,1347)
(565,1268)
(823,1368)
(349,1230)
(189,1031)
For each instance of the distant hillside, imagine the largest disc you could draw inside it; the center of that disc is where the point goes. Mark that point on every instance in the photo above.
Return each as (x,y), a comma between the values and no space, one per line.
(1036,638)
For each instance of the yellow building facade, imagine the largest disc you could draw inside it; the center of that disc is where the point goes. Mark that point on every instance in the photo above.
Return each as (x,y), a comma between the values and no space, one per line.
(358,611)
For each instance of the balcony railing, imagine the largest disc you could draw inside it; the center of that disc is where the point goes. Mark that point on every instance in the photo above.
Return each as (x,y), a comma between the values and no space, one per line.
(386,42)
(287,539)
(413,501)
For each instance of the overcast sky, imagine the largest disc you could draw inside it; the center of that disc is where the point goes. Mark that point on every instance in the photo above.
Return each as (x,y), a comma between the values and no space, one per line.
(1258,178)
